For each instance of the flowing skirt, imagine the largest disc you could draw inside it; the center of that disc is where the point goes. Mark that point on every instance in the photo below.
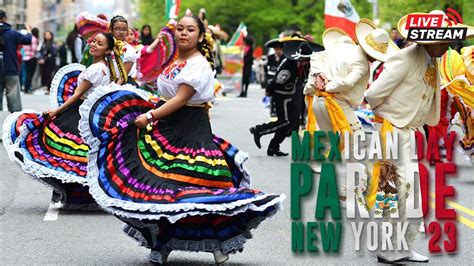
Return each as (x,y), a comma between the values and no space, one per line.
(175,184)
(52,151)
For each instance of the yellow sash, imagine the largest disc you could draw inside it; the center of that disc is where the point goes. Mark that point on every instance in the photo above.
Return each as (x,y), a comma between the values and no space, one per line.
(336,115)
(374,181)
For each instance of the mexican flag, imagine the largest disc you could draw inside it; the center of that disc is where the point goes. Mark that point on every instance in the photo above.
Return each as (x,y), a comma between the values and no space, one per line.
(341,14)
(172,8)
(237,38)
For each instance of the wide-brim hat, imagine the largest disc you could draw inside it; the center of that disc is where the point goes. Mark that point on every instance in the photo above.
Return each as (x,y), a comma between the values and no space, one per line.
(401,26)
(273,42)
(300,50)
(374,41)
(335,35)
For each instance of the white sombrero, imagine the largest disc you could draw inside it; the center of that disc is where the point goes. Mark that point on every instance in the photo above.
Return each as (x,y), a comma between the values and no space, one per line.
(401,26)
(335,35)
(374,41)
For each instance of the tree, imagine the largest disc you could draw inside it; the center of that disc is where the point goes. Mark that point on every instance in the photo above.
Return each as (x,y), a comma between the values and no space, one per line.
(266,18)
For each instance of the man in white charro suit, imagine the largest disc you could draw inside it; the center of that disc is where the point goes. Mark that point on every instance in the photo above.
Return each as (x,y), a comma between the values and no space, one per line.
(339,76)
(405,97)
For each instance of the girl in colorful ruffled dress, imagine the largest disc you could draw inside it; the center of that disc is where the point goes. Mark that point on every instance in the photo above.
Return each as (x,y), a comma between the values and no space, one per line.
(48,147)
(160,169)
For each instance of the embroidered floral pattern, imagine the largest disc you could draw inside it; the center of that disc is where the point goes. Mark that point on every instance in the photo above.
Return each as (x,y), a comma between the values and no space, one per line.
(173,70)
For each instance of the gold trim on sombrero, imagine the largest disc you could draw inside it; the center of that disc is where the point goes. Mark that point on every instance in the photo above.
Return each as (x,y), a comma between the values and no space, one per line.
(380,47)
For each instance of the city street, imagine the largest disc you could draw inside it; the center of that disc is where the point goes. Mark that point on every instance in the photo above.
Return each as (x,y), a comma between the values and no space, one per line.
(33,233)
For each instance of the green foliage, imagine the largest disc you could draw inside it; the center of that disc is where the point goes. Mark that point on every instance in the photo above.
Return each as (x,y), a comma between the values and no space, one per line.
(266,18)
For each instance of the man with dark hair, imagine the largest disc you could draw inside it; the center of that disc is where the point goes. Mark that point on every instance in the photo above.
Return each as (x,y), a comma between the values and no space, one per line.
(9,69)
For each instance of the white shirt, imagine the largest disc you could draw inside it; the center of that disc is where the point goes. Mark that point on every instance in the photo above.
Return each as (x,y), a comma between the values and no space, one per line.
(97,74)
(195,72)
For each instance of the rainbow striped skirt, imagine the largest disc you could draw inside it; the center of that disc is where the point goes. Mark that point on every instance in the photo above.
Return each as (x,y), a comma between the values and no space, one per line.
(175,184)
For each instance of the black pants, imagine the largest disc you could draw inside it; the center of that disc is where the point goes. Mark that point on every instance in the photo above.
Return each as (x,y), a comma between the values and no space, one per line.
(285,110)
(30,71)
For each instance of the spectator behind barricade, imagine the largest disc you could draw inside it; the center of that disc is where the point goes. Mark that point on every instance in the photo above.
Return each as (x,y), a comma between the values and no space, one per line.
(9,68)
(29,59)
(47,59)
(75,44)
(146,37)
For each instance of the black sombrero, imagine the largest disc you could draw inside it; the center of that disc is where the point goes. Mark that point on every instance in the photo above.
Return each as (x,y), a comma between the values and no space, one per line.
(300,51)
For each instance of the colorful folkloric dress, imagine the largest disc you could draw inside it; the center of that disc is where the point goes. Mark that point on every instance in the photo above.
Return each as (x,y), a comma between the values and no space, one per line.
(52,151)
(175,184)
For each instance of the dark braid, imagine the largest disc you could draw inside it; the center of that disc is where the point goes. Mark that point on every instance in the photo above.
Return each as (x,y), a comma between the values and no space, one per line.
(108,57)
(204,47)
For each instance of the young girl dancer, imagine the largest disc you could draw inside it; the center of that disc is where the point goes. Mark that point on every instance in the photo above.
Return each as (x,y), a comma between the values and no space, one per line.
(48,147)
(175,184)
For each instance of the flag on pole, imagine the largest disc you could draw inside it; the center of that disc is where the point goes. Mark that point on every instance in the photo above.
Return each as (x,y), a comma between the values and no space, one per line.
(238,36)
(341,14)
(172,8)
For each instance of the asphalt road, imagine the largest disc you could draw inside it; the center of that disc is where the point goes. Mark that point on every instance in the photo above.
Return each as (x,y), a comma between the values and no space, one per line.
(95,238)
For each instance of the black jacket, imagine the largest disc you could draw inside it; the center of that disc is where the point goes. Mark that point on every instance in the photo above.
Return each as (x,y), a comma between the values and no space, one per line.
(284,81)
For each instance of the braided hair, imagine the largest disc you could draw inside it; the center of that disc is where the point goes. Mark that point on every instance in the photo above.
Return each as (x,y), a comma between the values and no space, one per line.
(207,44)
(108,57)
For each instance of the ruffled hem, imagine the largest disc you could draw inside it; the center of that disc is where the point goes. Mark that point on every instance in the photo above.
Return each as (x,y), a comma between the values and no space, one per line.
(135,210)
(240,159)
(53,92)
(231,245)
(8,142)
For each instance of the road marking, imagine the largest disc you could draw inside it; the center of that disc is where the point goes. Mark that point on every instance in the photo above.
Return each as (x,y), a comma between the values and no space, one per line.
(459,218)
(456,206)
(52,212)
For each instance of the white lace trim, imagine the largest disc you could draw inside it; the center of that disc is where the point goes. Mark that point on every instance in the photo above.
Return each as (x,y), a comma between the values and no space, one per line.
(7,140)
(240,159)
(55,83)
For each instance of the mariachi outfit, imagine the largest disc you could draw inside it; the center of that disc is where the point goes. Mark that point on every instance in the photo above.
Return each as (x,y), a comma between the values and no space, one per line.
(406,96)
(175,184)
(283,89)
(52,150)
(347,69)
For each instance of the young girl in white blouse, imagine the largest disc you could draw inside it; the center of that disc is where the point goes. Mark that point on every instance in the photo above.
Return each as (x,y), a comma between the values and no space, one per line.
(49,147)
(174,183)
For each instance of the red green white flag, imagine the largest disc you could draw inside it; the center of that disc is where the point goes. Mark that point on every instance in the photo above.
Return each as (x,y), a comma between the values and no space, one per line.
(172,8)
(237,38)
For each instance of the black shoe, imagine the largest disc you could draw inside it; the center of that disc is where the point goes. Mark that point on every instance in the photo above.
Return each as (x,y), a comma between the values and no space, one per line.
(256,137)
(393,262)
(278,153)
